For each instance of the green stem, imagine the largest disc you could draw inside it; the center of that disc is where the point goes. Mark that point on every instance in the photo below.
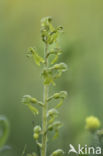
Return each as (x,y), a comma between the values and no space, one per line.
(5,124)
(45,108)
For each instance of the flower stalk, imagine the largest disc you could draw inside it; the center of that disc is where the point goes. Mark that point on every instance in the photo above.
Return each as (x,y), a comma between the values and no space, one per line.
(45,109)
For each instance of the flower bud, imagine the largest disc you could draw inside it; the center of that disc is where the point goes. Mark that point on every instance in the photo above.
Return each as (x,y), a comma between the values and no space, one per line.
(52,112)
(60,66)
(36,136)
(92,123)
(33,100)
(57,95)
(26,99)
(37,129)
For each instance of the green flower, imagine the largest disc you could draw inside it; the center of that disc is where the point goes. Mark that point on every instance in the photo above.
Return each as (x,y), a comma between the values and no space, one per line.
(92,123)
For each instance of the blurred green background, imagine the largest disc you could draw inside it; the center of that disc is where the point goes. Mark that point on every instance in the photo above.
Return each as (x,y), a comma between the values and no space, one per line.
(82,43)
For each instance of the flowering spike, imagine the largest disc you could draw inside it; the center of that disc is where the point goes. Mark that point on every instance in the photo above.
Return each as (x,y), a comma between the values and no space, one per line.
(51,71)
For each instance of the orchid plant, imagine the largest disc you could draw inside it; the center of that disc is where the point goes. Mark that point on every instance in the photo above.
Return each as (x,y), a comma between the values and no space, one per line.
(51,71)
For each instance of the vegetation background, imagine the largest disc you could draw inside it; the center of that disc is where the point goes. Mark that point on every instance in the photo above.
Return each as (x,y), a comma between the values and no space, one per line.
(82,43)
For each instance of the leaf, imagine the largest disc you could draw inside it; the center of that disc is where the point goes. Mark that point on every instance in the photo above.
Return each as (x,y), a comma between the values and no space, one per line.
(24,150)
(33,109)
(4,127)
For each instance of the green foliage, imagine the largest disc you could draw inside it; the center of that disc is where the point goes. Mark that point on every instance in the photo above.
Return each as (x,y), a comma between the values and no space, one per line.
(58,152)
(33,154)
(50,73)
(4,130)
(83,155)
